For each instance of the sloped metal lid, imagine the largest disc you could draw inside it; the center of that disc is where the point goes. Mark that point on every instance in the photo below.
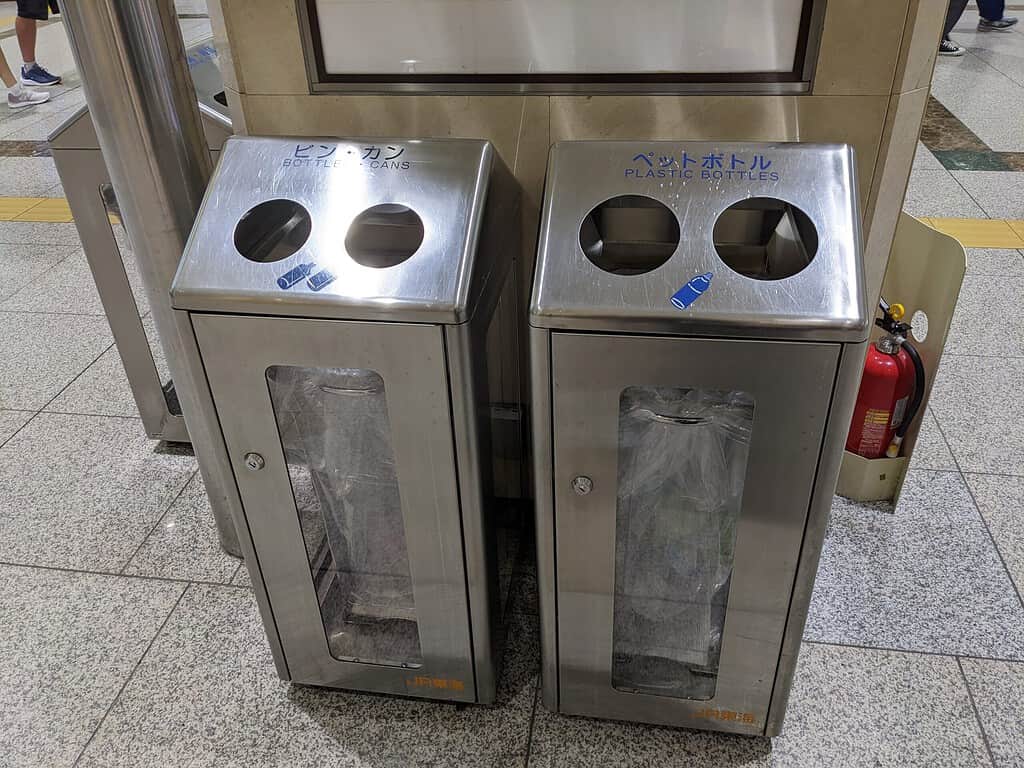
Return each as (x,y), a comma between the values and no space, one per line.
(392,227)
(792,209)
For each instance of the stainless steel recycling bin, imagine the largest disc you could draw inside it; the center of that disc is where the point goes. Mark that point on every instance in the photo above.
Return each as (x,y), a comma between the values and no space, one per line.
(342,293)
(698,328)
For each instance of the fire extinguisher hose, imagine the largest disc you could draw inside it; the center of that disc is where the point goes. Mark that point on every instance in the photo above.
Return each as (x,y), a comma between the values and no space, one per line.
(915,401)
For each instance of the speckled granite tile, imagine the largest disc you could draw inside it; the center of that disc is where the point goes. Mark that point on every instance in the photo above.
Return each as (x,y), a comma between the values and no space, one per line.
(508,552)
(941,130)
(68,287)
(206,694)
(989,317)
(241,577)
(849,707)
(28,263)
(994,261)
(103,388)
(924,160)
(184,544)
(924,578)
(83,491)
(41,129)
(998,134)
(999,193)
(523,593)
(936,193)
(977,402)
(563,741)
(11,422)
(998,690)
(931,451)
(1000,499)
(41,354)
(69,642)
(857,707)
(39,233)
(27,176)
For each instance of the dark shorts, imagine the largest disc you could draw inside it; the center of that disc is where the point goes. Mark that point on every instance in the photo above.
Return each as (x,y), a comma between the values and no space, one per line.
(34,9)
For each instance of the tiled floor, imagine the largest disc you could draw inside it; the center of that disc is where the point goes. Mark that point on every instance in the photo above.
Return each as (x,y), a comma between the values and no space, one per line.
(128,638)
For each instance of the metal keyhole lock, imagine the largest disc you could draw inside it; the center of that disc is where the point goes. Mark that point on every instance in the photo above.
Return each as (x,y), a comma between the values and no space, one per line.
(254,462)
(582,485)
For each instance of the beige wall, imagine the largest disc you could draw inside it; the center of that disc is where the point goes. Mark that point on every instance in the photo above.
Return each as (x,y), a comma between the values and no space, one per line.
(875,64)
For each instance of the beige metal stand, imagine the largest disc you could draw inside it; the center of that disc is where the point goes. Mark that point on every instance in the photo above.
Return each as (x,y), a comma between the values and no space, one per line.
(925,271)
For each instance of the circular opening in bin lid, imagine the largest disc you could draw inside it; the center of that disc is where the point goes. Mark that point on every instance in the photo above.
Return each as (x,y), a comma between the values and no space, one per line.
(272,230)
(765,238)
(629,234)
(384,235)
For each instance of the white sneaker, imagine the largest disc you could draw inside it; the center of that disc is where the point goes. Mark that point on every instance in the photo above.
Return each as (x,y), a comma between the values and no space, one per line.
(26,98)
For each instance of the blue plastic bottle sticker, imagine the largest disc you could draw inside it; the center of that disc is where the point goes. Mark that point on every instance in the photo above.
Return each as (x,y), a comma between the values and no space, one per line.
(692,291)
(320,279)
(292,276)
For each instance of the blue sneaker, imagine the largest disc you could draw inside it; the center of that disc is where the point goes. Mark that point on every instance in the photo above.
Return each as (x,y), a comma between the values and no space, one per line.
(38,76)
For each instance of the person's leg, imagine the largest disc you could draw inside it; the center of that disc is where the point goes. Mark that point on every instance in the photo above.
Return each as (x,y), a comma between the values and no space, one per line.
(18,96)
(30,13)
(992,16)
(5,72)
(956,10)
(25,29)
(992,10)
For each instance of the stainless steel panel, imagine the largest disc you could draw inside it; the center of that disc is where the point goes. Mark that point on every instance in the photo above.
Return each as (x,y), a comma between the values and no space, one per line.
(132,61)
(445,182)
(411,361)
(791,384)
(467,368)
(824,302)
(851,364)
(544,510)
(84,174)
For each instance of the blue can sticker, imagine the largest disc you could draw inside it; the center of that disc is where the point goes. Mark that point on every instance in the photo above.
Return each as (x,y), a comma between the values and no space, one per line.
(320,279)
(293,276)
(692,291)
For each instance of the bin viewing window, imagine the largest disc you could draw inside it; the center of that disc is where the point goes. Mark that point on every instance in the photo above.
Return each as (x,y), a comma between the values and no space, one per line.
(682,464)
(629,235)
(336,435)
(765,239)
(384,235)
(508,44)
(272,230)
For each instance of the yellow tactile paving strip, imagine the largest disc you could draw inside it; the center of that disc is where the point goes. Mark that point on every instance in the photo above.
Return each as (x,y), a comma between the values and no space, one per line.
(981,233)
(48,209)
(972,233)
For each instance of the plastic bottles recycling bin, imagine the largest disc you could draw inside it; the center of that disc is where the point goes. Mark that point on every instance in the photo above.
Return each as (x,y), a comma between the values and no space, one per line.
(342,293)
(698,327)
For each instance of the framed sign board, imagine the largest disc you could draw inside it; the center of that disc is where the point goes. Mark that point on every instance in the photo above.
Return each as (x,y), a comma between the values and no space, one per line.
(560,46)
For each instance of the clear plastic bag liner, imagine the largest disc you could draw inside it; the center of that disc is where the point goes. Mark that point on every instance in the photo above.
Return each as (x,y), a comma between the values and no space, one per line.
(682,460)
(336,436)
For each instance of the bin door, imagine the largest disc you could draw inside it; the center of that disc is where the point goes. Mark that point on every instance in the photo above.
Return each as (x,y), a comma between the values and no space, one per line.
(682,480)
(341,441)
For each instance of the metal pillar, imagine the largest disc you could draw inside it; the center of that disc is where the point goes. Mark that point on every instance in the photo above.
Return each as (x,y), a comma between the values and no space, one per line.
(132,61)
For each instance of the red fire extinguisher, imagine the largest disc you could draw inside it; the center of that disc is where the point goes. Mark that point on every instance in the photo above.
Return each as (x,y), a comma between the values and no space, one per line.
(890,391)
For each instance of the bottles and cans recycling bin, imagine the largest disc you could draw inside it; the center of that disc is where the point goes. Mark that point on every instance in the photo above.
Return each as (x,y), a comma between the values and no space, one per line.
(698,325)
(342,293)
